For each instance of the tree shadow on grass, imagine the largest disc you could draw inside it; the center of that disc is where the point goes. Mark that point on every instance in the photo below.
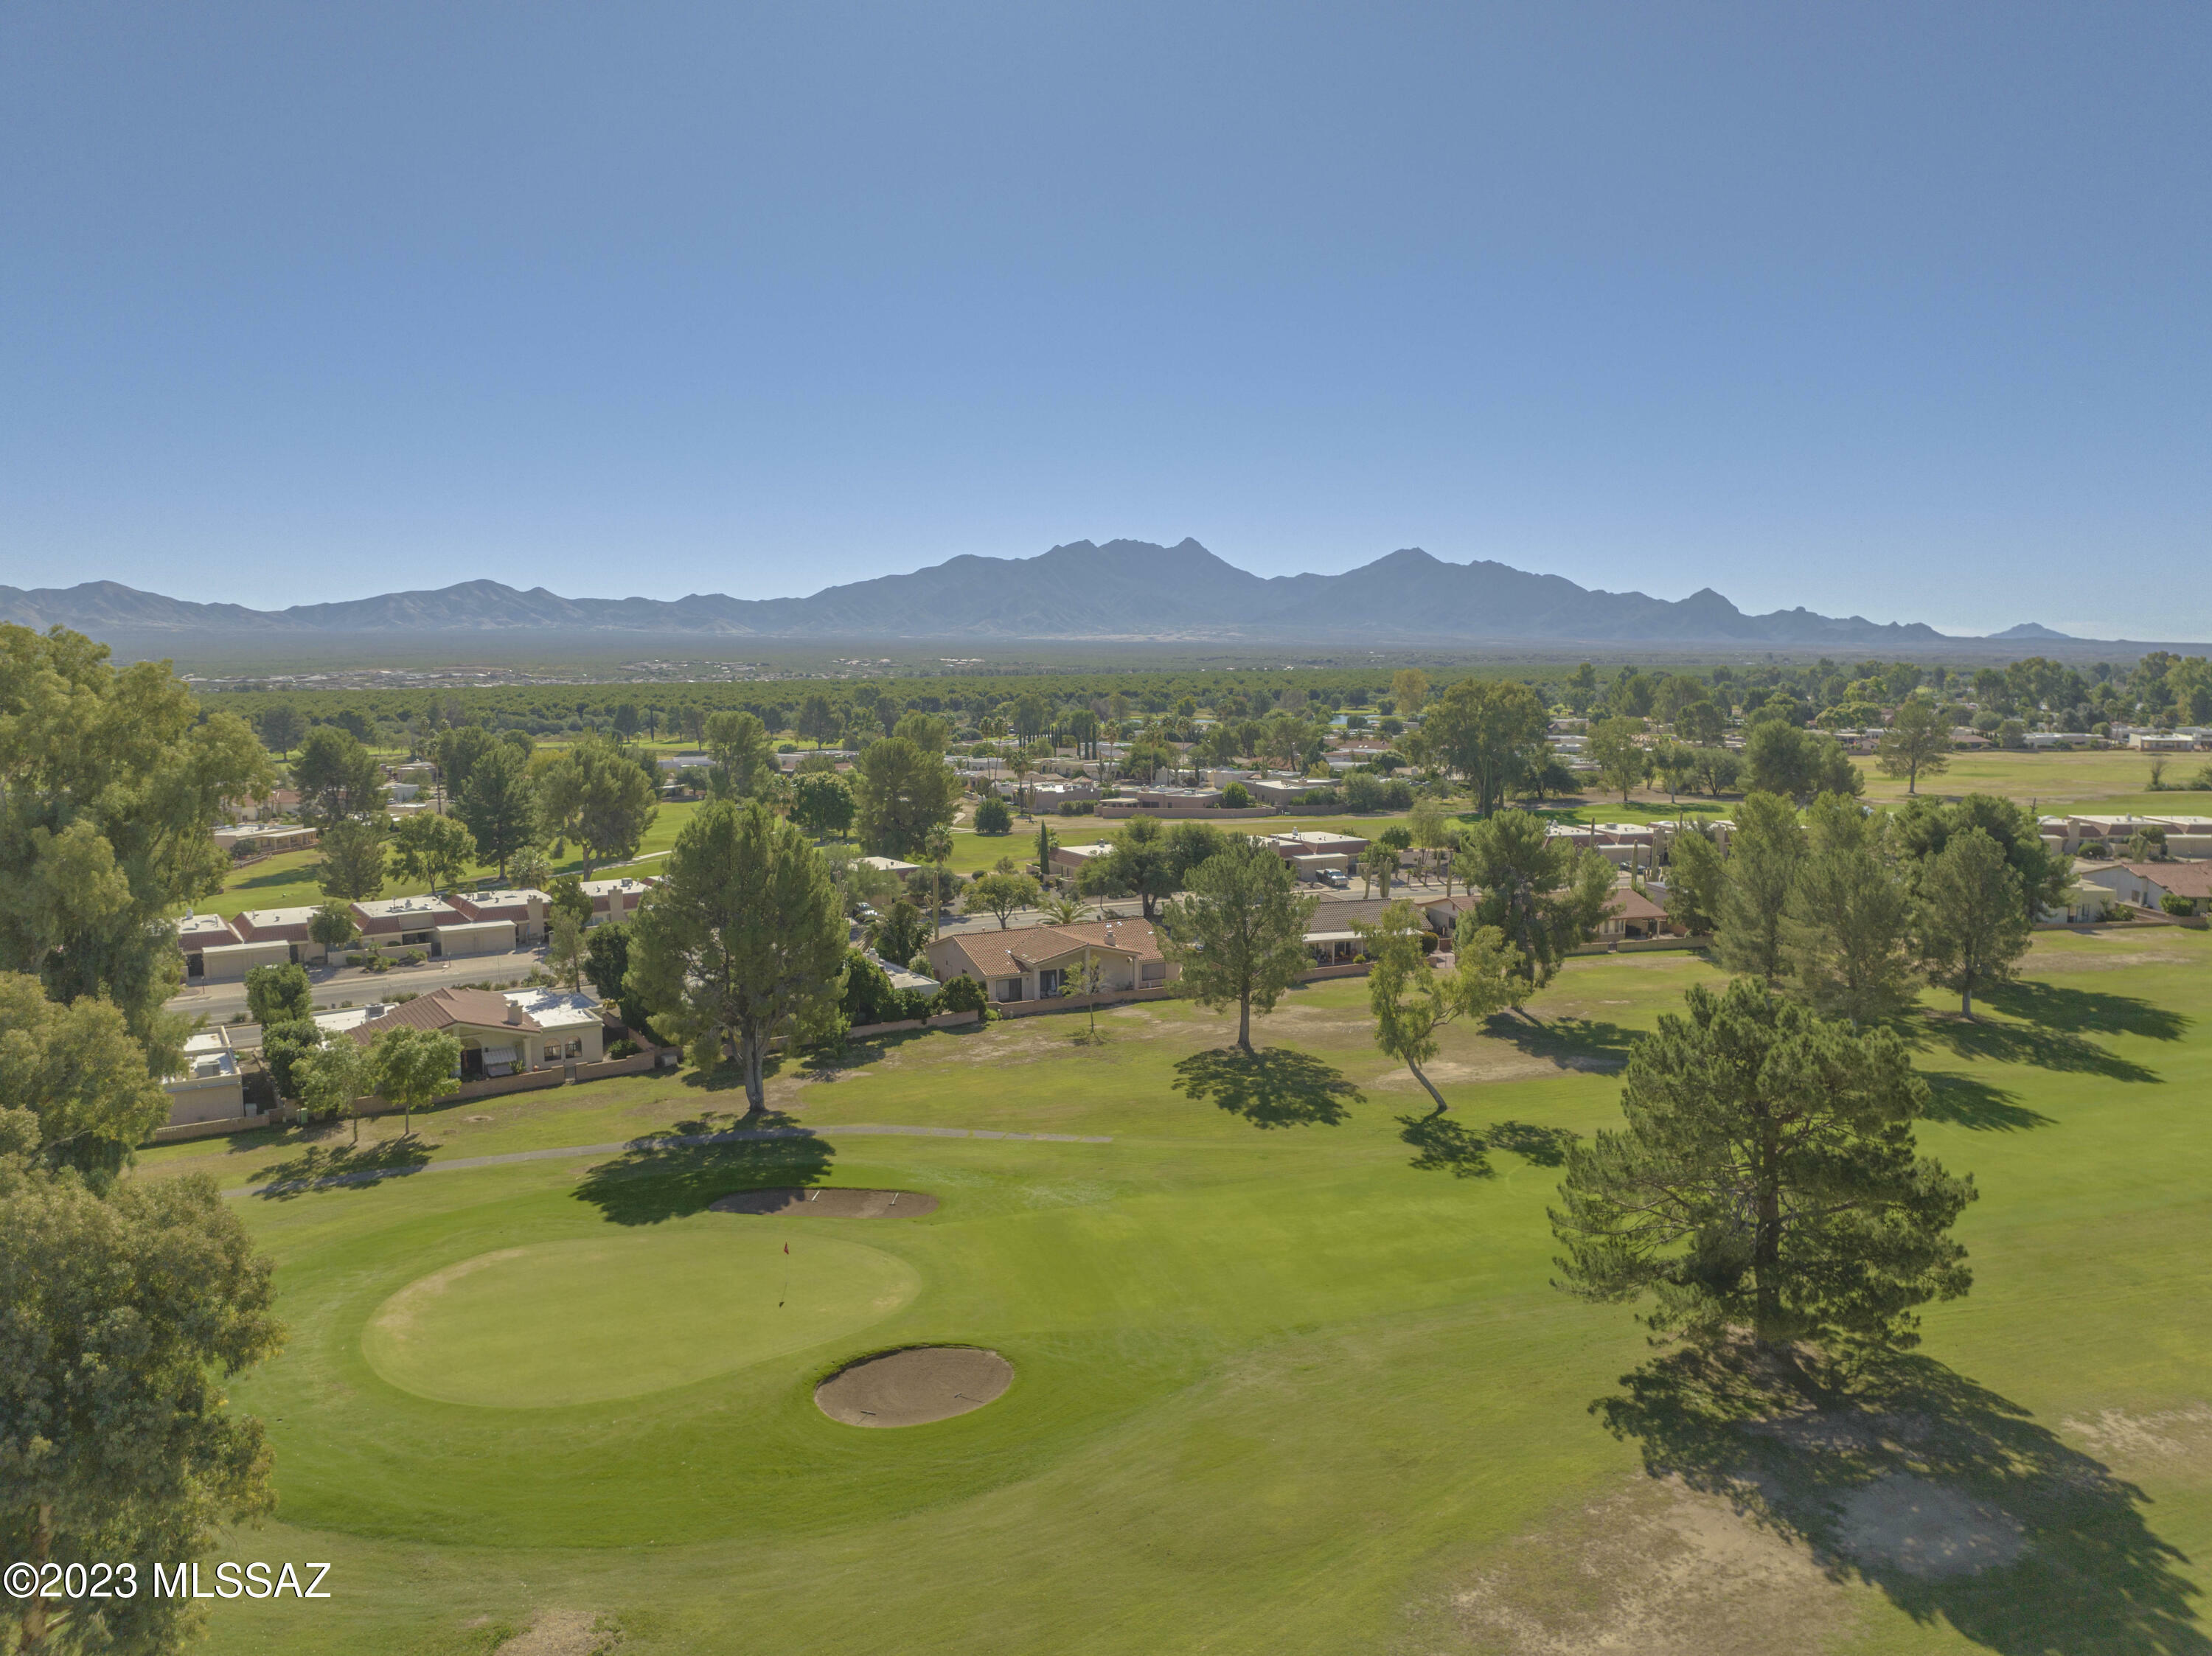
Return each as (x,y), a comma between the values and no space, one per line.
(1545,1146)
(2091,1011)
(1948,1498)
(1443,1145)
(1966,1101)
(362,1167)
(2030,1044)
(1273,1087)
(670,1174)
(1572,1043)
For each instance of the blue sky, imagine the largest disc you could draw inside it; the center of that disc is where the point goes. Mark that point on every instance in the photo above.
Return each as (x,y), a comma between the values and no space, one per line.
(1899,311)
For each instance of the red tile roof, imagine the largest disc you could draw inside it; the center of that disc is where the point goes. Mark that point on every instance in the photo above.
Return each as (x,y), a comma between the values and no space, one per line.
(482,1008)
(1010,954)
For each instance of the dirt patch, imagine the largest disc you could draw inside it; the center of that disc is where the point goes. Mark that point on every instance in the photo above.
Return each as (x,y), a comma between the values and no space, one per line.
(1905,1523)
(914,1386)
(828,1201)
(2173,1441)
(563,1633)
(1658,1569)
(1503,1065)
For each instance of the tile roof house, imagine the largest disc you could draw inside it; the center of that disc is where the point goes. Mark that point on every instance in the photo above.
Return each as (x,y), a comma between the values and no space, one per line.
(1034,963)
(2144,883)
(1630,914)
(501,1033)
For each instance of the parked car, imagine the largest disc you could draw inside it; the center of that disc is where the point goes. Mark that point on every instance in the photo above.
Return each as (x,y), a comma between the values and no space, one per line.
(1336,879)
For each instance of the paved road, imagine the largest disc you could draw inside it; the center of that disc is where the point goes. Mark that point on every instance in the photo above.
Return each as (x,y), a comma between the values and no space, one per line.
(734,1136)
(331,985)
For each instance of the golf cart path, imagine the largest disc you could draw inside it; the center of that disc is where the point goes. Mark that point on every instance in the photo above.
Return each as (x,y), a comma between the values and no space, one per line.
(734,1136)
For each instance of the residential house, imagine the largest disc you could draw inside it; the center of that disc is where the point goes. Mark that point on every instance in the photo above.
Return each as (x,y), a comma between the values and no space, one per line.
(215,953)
(209,1087)
(1315,842)
(405,922)
(523,907)
(244,840)
(1331,936)
(1035,962)
(501,1034)
(286,926)
(1074,860)
(2145,884)
(1443,913)
(616,900)
(1630,915)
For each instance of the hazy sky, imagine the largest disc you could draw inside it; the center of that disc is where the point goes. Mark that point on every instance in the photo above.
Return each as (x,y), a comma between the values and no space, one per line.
(1900,311)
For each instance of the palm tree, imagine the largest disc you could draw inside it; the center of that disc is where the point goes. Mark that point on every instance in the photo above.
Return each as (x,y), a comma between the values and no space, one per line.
(1060,909)
(937,848)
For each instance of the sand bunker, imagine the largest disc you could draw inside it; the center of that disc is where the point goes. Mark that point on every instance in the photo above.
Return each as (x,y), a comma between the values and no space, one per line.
(829,1202)
(913,1386)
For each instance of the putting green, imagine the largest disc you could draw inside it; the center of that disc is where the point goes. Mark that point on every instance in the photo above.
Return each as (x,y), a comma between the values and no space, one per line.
(612,1317)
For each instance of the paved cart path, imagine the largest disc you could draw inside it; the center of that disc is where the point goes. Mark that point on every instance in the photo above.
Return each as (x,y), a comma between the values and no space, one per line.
(734,1136)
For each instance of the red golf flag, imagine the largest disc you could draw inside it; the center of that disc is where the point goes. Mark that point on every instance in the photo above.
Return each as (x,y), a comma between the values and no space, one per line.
(786,1247)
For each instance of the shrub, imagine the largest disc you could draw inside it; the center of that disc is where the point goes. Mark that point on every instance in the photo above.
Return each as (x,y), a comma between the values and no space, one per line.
(624,1047)
(2182,907)
(993,816)
(1397,795)
(2094,850)
(961,994)
(1236,797)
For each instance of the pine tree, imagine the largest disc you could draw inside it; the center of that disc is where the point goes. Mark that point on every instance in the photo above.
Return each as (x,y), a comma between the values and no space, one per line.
(1973,925)
(1767,1178)
(1765,852)
(1847,925)
(1239,932)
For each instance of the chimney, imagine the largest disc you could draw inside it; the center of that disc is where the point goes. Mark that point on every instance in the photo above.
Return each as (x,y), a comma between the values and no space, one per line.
(513,1013)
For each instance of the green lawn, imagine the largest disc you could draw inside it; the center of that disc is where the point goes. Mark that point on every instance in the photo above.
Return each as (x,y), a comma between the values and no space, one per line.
(1289,1373)
(2111,781)
(288,881)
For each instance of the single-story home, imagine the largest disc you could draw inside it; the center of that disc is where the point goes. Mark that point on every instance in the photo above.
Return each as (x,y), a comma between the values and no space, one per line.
(1035,962)
(2144,884)
(1443,913)
(523,907)
(890,866)
(243,840)
(215,952)
(1332,938)
(1630,914)
(616,900)
(409,922)
(1074,860)
(501,1034)
(286,926)
(1300,843)
(209,1087)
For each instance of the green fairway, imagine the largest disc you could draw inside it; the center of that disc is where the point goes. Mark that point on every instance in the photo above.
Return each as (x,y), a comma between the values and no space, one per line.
(1290,1373)
(617,1316)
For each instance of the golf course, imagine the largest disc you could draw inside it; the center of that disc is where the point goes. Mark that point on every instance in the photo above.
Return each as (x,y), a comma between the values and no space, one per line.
(1277,1362)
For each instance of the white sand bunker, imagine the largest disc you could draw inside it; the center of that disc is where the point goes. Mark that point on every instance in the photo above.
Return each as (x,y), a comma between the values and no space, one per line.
(1905,1523)
(828,1201)
(914,1386)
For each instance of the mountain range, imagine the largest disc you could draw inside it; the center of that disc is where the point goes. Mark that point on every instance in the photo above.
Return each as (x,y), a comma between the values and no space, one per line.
(1124,590)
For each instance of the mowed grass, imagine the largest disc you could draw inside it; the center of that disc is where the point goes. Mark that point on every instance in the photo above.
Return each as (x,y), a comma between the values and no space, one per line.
(288,881)
(1290,1375)
(663,1308)
(2106,782)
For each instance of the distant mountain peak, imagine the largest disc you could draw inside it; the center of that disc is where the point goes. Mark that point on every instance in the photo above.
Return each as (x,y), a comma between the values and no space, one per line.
(1122,590)
(2035,629)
